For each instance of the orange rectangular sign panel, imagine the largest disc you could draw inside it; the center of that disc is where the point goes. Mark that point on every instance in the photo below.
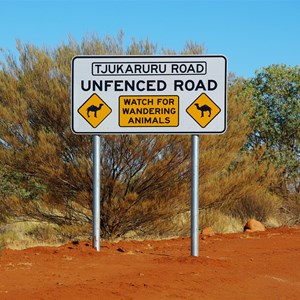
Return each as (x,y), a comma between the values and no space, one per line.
(148,111)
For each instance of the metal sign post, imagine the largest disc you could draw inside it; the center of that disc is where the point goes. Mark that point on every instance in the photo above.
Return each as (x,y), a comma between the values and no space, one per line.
(182,94)
(96,192)
(195,197)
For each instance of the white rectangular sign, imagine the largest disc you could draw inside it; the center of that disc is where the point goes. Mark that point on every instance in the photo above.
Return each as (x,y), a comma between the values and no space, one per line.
(149,94)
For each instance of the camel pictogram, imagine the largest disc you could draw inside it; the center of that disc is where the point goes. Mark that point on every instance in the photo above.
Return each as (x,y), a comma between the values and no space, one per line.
(203,108)
(94,109)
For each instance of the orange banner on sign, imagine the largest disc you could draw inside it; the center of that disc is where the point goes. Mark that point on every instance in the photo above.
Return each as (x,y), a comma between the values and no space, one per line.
(148,111)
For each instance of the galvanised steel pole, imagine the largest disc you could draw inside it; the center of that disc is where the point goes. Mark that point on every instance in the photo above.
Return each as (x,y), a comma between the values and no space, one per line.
(195,196)
(96,191)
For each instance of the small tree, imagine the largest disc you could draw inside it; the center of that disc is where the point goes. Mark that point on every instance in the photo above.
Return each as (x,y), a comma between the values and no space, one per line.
(276,122)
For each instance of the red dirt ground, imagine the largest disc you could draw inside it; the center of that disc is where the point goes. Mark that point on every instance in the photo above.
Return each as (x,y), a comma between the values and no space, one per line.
(263,265)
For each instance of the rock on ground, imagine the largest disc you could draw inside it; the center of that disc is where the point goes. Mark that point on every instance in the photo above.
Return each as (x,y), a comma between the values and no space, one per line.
(252,226)
(207,231)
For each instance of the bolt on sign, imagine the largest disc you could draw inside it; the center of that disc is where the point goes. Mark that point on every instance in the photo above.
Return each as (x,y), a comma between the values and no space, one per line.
(149,94)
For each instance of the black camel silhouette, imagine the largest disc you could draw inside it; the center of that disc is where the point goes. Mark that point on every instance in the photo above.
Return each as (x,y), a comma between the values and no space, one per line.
(94,109)
(203,108)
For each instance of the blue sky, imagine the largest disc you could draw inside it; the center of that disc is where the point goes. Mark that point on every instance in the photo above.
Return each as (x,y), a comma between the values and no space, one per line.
(251,33)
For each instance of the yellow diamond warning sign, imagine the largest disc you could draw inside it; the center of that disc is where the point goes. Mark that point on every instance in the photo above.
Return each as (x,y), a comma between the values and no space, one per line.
(94,110)
(203,110)
(148,111)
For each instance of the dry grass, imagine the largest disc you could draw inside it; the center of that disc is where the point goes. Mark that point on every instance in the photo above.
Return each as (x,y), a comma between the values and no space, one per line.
(23,235)
(220,222)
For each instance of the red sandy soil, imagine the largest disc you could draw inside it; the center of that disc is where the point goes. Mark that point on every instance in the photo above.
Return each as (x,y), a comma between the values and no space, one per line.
(264,265)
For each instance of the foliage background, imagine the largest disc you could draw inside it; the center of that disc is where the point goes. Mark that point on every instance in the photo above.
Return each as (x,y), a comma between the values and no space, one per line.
(46,170)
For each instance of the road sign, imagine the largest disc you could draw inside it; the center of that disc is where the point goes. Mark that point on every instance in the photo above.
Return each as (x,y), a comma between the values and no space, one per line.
(149,94)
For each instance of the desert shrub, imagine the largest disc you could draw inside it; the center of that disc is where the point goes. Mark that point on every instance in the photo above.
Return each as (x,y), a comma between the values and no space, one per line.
(235,181)
(276,128)
(145,180)
(245,191)
(252,206)
(55,166)
(290,209)
(276,122)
